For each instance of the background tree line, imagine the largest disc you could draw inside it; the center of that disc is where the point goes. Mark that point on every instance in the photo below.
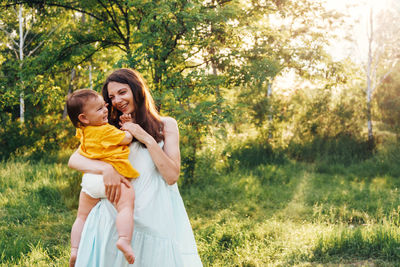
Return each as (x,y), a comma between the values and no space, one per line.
(213,65)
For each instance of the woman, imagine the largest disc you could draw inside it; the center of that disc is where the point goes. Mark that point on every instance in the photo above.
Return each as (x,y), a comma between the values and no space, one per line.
(163,235)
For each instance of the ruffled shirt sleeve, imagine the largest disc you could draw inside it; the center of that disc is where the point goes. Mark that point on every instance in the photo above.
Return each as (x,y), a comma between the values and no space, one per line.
(110,136)
(78,133)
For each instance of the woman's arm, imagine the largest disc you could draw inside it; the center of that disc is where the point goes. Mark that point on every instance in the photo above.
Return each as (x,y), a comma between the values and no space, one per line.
(168,159)
(112,179)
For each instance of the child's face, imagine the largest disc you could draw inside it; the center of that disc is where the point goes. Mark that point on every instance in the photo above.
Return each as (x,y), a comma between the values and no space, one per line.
(95,112)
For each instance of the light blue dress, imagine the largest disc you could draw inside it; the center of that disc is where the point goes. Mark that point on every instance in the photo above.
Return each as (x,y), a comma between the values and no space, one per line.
(162,234)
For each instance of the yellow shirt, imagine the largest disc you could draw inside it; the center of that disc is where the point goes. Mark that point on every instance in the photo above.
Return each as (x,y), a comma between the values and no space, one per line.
(102,143)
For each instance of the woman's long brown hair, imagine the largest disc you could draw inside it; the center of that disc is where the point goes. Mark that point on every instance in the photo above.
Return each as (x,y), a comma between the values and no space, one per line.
(145,113)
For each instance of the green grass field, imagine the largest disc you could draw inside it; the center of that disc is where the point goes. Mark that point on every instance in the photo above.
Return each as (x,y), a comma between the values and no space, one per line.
(245,211)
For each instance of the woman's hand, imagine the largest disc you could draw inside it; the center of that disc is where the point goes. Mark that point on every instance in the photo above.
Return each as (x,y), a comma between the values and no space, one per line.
(112,182)
(125,118)
(137,131)
(166,159)
(112,179)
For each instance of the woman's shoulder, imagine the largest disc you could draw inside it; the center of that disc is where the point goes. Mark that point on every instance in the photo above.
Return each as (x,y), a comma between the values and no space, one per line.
(169,122)
(170,126)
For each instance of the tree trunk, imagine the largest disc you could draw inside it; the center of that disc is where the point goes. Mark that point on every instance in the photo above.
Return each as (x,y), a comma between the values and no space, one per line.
(191,162)
(69,91)
(369,115)
(369,82)
(217,91)
(270,116)
(21,58)
(90,77)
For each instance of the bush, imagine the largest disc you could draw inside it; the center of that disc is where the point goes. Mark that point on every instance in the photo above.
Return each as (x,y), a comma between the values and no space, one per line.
(342,149)
(36,138)
(253,153)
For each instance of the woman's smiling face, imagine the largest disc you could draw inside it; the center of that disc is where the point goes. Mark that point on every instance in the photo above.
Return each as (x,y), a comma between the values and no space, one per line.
(121,97)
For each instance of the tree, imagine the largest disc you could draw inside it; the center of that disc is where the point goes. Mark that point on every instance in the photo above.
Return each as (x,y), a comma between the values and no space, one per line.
(42,94)
(20,44)
(283,36)
(162,40)
(383,54)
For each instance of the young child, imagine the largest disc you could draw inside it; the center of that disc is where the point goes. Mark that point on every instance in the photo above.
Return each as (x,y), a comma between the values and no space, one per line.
(100,140)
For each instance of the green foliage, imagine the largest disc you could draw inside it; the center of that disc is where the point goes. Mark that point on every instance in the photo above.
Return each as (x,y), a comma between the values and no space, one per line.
(319,112)
(388,102)
(199,66)
(36,138)
(321,124)
(342,149)
(253,153)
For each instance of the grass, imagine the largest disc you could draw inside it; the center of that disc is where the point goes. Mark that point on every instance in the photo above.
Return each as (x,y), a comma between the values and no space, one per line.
(287,213)
(244,211)
(37,208)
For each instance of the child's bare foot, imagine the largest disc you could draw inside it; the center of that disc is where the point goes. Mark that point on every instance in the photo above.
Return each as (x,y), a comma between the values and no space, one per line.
(124,245)
(72,259)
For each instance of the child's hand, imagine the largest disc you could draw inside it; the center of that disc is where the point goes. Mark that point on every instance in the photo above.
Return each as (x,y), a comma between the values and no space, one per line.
(125,118)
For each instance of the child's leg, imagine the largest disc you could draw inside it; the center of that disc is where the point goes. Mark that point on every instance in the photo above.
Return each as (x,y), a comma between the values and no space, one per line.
(86,203)
(124,222)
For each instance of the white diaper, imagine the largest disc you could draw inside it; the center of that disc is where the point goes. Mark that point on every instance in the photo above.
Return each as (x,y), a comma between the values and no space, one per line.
(93,185)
